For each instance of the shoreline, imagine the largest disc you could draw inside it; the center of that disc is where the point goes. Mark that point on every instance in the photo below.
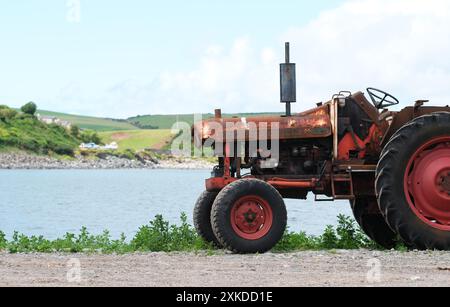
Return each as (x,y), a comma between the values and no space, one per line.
(24,161)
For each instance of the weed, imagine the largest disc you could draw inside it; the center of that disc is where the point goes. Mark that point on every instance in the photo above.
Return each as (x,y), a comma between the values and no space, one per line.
(3,242)
(160,236)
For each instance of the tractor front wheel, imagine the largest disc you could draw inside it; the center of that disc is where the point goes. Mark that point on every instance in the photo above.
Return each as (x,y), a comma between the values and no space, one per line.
(413,182)
(372,222)
(249,216)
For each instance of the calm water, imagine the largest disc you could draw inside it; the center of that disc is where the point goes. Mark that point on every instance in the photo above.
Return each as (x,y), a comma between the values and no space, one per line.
(51,203)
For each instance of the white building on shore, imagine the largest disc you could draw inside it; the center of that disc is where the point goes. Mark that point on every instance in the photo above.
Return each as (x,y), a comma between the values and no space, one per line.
(93,146)
(54,120)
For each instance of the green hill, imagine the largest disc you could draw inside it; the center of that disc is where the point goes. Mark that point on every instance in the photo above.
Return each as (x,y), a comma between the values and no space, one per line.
(153,122)
(167,121)
(26,132)
(138,139)
(93,123)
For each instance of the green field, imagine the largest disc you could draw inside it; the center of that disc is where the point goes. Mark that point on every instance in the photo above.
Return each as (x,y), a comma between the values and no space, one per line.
(138,139)
(93,123)
(167,121)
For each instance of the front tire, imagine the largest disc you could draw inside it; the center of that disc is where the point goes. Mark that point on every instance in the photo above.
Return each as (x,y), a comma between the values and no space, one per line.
(249,216)
(413,182)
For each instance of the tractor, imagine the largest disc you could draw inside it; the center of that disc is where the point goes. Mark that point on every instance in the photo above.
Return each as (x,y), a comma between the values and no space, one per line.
(392,166)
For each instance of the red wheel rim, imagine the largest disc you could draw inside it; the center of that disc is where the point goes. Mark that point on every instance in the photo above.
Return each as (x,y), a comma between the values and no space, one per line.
(251,217)
(427,183)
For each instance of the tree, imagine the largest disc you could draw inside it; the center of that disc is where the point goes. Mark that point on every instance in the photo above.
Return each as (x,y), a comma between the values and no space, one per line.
(75,131)
(30,108)
(89,136)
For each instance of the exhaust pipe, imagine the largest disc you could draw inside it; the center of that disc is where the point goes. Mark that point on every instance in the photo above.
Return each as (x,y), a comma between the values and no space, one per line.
(288,82)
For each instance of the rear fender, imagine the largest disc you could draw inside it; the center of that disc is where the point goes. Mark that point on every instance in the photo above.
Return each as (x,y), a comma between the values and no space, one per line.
(405,116)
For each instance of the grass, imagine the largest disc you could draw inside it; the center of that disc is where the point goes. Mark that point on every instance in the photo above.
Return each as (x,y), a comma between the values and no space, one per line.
(92,123)
(138,139)
(160,236)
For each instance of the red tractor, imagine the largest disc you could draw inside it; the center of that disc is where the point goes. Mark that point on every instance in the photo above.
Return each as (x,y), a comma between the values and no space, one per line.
(393,167)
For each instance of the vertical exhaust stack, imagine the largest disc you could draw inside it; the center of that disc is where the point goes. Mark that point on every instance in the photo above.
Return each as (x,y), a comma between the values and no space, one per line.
(288,82)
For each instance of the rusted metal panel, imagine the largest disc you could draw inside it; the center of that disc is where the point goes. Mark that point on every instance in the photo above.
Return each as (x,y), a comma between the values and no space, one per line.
(218,183)
(314,123)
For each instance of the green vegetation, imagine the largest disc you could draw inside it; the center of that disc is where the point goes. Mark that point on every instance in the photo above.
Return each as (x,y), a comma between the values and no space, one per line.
(75,131)
(160,236)
(24,131)
(162,121)
(347,235)
(167,121)
(92,123)
(6,114)
(138,139)
(89,136)
(157,236)
(30,108)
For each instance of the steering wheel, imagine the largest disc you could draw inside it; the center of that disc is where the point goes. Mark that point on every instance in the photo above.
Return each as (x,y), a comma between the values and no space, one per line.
(381,99)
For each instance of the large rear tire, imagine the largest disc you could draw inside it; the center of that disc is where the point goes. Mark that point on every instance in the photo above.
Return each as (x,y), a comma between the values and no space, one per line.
(202,217)
(372,222)
(249,216)
(413,182)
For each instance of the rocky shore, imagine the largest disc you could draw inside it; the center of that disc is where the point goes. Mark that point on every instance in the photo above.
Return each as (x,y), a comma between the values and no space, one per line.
(28,161)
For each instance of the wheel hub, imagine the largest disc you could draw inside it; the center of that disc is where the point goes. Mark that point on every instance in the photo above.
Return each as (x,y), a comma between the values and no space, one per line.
(444,183)
(428,183)
(251,217)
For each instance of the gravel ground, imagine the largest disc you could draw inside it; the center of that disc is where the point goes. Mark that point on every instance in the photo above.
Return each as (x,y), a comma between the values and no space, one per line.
(336,268)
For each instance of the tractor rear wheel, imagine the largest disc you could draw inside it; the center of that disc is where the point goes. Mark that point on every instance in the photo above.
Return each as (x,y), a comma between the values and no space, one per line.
(249,216)
(413,182)
(202,217)
(372,222)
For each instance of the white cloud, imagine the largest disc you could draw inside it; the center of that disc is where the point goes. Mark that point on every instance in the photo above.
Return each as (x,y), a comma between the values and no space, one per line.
(398,45)
(219,78)
(234,79)
(401,46)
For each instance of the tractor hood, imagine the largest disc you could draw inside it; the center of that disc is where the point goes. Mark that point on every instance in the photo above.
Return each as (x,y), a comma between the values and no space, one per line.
(314,123)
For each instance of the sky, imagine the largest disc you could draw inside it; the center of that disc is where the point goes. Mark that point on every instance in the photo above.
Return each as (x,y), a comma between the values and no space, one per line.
(124,58)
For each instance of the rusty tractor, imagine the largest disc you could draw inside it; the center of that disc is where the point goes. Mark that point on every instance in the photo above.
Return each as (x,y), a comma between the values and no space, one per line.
(393,167)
